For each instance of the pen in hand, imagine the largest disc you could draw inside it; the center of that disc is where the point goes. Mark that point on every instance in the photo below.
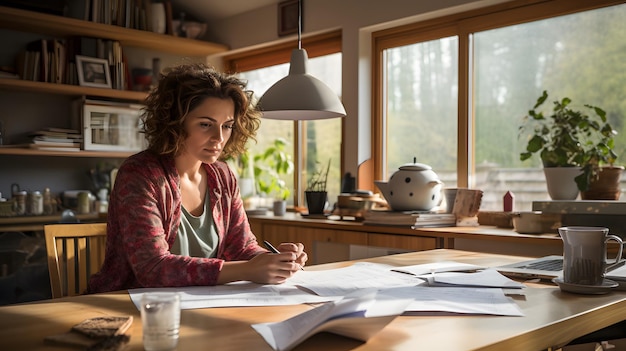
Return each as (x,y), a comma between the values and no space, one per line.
(271,247)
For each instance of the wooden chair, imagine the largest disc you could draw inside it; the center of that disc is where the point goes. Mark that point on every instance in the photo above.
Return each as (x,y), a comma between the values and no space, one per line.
(75,252)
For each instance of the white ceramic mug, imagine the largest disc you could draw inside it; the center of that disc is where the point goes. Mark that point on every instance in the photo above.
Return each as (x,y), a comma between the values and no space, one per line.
(584,254)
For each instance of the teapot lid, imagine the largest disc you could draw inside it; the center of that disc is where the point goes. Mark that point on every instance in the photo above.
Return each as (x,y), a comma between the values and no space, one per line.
(415,166)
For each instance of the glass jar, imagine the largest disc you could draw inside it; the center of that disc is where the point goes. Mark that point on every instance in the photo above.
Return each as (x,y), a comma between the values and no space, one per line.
(84,203)
(20,202)
(34,203)
(48,206)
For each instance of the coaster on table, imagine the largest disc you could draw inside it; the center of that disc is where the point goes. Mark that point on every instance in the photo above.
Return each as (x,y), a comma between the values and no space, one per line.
(100,327)
(96,334)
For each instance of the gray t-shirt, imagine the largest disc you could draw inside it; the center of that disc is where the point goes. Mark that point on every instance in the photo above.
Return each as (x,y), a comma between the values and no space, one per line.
(197,236)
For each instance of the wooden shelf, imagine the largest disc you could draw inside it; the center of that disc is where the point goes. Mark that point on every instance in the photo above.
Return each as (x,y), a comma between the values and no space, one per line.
(63,27)
(72,90)
(8,150)
(50,25)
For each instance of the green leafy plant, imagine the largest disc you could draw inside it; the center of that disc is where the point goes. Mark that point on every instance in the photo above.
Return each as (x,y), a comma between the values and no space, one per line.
(269,166)
(318,180)
(570,138)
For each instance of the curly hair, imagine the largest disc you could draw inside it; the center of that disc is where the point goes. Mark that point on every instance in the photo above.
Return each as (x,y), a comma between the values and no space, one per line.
(180,90)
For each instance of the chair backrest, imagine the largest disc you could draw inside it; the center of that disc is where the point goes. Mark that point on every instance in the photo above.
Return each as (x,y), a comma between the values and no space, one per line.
(75,252)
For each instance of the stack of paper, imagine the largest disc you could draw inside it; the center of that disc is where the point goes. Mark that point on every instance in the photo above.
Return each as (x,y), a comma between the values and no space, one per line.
(357,301)
(56,139)
(355,317)
(409,218)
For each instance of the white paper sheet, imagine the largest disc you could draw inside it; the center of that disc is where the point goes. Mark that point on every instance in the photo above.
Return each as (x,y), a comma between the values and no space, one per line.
(456,300)
(355,317)
(237,294)
(343,281)
(488,278)
(334,284)
(443,266)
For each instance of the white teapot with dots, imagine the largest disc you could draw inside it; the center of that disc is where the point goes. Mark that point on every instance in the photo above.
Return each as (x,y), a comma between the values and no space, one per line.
(413,187)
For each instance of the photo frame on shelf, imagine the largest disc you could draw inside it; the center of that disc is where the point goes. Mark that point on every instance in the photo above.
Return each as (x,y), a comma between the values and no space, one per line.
(93,72)
(288,17)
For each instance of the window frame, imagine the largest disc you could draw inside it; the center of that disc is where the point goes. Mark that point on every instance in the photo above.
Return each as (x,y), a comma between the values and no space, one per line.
(461,25)
(315,46)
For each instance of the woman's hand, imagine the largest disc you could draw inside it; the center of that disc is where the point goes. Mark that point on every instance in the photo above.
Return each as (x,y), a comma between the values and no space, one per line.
(298,249)
(266,268)
(271,268)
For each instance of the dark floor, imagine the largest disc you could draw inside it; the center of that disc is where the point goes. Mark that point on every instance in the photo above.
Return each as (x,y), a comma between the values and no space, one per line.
(23,268)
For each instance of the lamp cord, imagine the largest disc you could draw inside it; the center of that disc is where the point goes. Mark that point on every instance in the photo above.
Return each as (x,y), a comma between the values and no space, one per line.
(299,24)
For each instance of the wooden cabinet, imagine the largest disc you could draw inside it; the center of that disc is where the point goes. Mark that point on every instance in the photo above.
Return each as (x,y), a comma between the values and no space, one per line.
(328,241)
(309,237)
(404,242)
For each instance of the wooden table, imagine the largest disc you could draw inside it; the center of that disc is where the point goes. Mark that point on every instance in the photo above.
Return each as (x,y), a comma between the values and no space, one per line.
(552,319)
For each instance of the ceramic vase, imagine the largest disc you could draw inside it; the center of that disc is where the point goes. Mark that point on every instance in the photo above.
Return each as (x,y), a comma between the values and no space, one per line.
(561,183)
(158,17)
(280,207)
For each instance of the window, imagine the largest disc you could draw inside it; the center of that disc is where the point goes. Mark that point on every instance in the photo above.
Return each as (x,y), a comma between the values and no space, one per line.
(455,89)
(313,143)
(421,111)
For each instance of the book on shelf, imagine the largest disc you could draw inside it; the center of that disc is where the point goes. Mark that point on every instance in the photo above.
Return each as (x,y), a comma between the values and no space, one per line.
(414,219)
(56,142)
(56,133)
(76,147)
(55,139)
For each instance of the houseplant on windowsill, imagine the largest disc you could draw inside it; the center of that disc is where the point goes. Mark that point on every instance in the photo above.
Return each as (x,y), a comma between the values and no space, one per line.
(570,143)
(269,166)
(315,192)
(601,177)
(245,173)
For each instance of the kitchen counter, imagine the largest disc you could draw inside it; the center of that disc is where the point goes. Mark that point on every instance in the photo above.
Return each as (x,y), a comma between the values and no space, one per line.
(490,239)
(36,223)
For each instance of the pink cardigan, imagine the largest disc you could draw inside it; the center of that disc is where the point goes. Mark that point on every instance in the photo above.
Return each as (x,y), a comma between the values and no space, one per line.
(143,219)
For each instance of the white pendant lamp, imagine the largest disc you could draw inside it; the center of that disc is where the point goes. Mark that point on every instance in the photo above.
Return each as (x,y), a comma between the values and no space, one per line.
(300,96)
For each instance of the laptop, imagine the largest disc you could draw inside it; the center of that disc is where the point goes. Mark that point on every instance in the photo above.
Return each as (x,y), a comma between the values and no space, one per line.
(549,267)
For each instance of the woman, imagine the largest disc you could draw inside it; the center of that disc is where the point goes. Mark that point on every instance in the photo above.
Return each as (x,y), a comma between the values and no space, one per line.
(176,217)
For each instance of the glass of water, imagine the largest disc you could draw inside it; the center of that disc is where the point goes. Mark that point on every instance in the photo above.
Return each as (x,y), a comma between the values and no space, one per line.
(160,319)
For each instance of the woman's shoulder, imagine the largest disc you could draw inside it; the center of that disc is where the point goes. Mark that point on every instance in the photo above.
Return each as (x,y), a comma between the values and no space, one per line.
(220,165)
(147,166)
(221,170)
(147,160)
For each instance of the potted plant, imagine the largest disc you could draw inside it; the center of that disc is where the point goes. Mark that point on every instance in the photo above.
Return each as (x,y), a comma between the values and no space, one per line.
(315,192)
(269,166)
(569,142)
(600,176)
(245,171)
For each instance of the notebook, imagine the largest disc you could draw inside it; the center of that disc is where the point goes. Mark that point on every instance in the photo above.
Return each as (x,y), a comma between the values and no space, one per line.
(618,275)
(549,267)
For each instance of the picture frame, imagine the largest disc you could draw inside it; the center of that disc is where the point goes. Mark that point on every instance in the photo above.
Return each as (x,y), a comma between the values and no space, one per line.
(288,14)
(110,126)
(93,72)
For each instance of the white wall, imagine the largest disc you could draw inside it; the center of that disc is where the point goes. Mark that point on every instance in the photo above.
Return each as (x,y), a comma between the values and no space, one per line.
(357,20)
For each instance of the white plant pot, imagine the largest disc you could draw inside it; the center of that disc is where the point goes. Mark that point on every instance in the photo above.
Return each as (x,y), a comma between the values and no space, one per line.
(246,187)
(561,183)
